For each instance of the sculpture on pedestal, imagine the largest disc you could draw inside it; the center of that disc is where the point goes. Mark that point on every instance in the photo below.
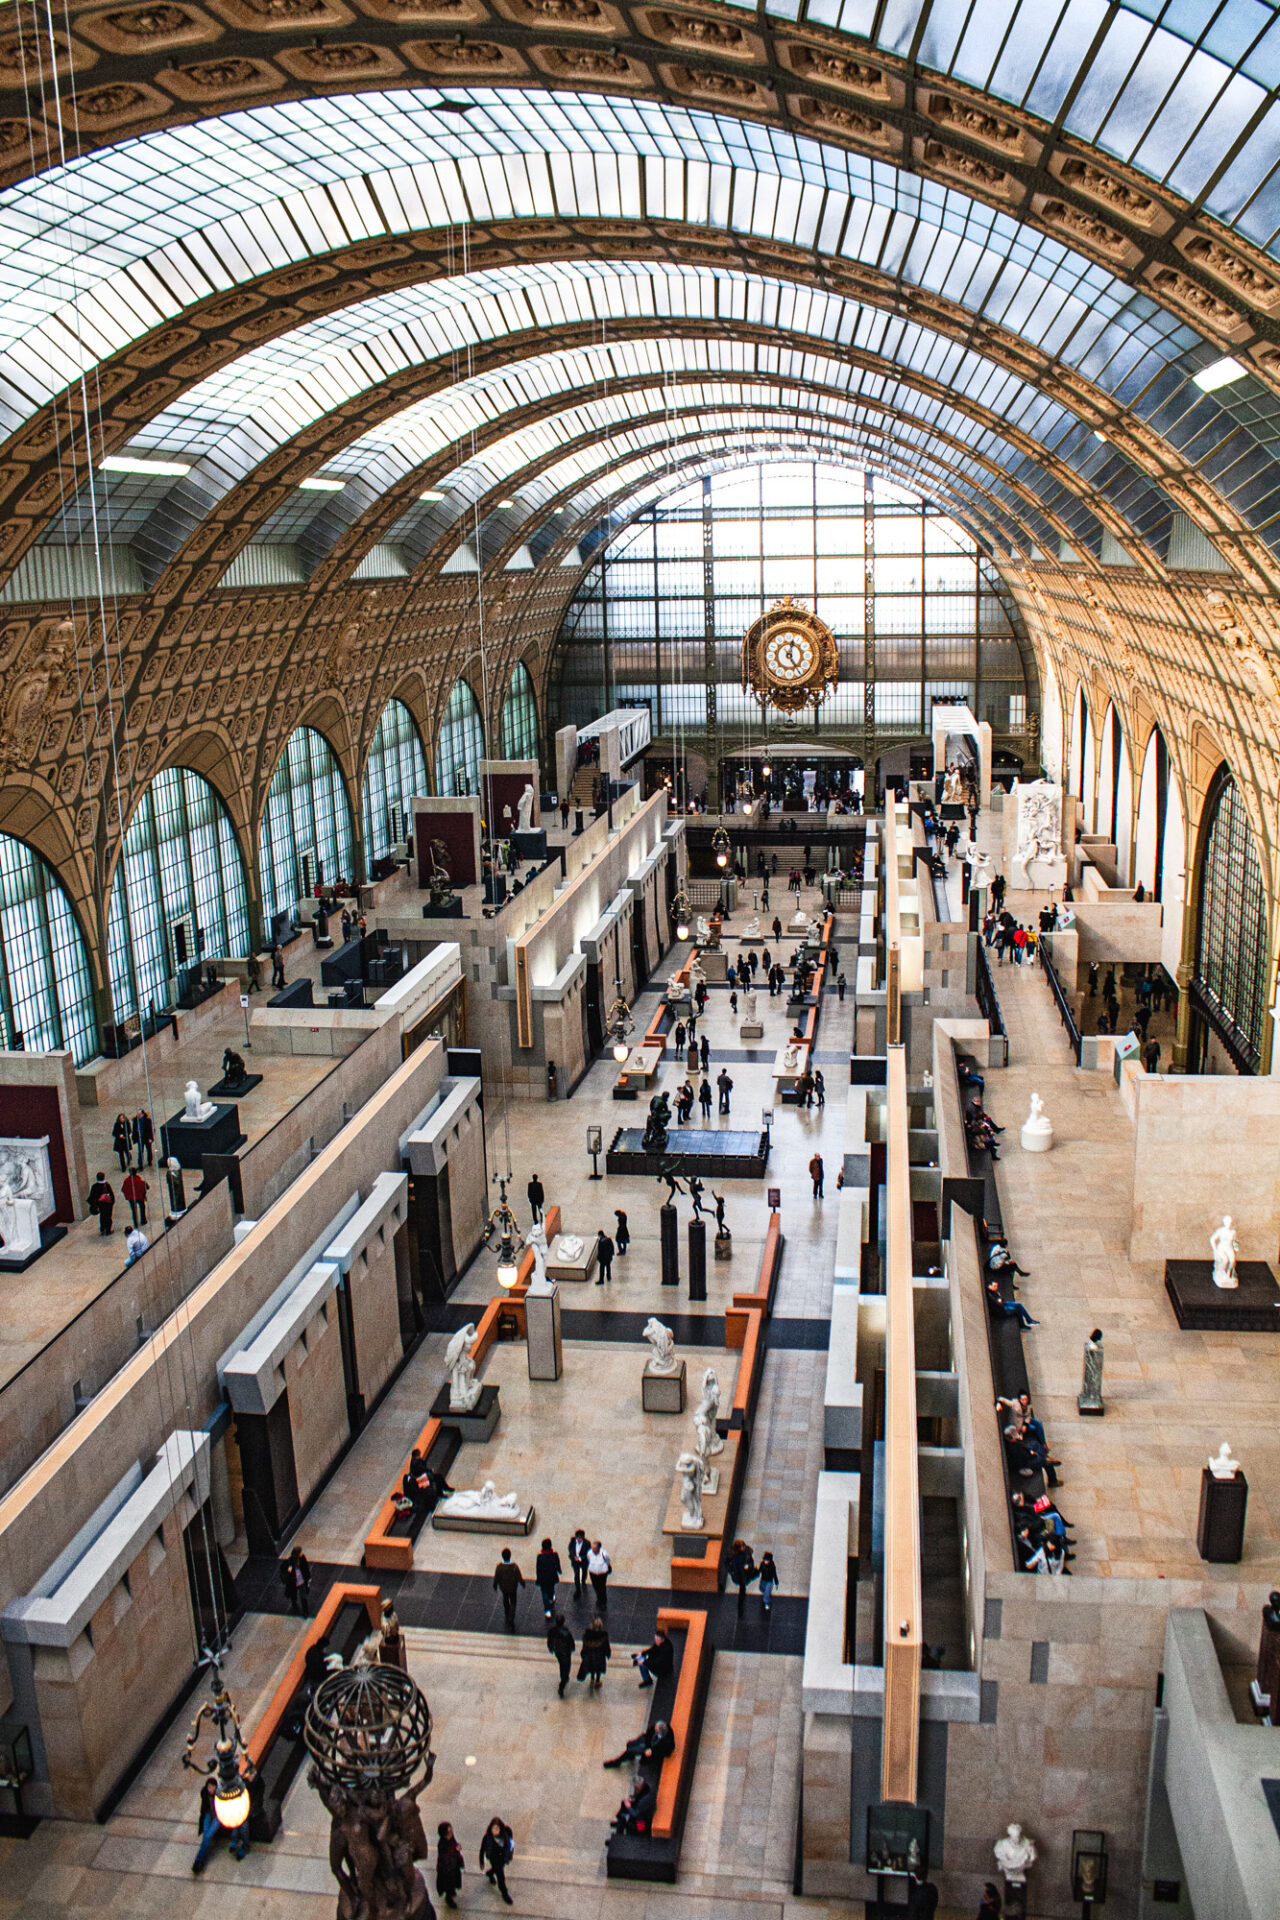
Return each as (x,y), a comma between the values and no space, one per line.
(526,809)
(1223,1464)
(1015,1856)
(1037,1128)
(480,1503)
(1224,1246)
(749,1007)
(26,1193)
(689,1467)
(368,1731)
(697,978)
(464,1388)
(536,1241)
(722,1228)
(668,1174)
(233,1068)
(655,1132)
(196,1108)
(953,788)
(791,1058)
(440,876)
(752,929)
(696,1191)
(1039,826)
(662,1357)
(708,1408)
(1089,1399)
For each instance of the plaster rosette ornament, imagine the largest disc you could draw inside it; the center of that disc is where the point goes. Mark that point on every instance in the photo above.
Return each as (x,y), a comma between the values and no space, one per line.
(790,659)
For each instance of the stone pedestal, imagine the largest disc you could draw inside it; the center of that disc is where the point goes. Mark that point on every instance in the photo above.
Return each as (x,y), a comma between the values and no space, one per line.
(668,1225)
(715,965)
(530,844)
(1220,1529)
(187,1141)
(750,1030)
(542,1334)
(476,1425)
(724,1246)
(1037,1135)
(663,1392)
(697,1260)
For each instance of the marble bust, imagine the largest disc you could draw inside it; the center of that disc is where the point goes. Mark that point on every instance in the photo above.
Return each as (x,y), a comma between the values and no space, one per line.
(662,1343)
(525,821)
(464,1388)
(1224,1246)
(196,1108)
(1015,1854)
(1223,1465)
(480,1502)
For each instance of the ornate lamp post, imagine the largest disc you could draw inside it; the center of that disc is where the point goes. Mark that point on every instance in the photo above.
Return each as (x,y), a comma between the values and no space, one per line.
(619,1025)
(680,914)
(503,1231)
(229,1760)
(368,1731)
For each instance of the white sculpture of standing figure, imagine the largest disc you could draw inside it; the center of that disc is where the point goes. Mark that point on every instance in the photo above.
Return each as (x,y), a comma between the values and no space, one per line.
(1223,1464)
(709,1407)
(464,1388)
(662,1342)
(791,1058)
(525,821)
(1015,1854)
(536,1241)
(196,1108)
(1224,1246)
(704,1445)
(1037,1128)
(953,789)
(697,978)
(689,1467)
(749,1006)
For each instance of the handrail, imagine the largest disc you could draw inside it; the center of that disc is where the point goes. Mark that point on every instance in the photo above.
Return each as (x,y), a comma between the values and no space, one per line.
(984,992)
(1064,1009)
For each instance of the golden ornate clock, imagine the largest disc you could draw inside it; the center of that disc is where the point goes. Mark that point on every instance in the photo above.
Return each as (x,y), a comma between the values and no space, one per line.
(789,658)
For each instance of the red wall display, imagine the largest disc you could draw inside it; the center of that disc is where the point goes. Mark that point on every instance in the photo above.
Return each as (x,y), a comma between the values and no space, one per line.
(499,790)
(27,1113)
(457,830)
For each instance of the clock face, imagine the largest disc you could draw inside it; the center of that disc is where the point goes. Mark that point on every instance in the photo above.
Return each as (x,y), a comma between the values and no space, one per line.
(790,656)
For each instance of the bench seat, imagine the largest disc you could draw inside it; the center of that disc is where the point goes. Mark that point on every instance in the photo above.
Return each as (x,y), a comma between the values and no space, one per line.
(681,1701)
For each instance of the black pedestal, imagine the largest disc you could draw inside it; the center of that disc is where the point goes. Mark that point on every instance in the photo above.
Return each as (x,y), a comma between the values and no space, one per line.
(1220,1530)
(235,1089)
(187,1141)
(1251,1307)
(669,1228)
(476,1425)
(531,844)
(697,1259)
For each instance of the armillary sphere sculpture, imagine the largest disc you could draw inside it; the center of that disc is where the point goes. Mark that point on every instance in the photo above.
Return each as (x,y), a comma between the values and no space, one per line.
(368,1731)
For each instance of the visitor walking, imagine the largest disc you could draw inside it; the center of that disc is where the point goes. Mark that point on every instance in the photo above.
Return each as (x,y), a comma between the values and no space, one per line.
(599,1567)
(143,1135)
(579,1548)
(135,1190)
(546,1573)
(768,1582)
(210,1827)
(704,1098)
(449,1865)
(508,1580)
(122,1141)
(816,1174)
(622,1232)
(604,1255)
(101,1199)
(277,966)
(1151,1056)
(562,1643)
(679,1036)
(595,1653)
(497,1850)
(295,1573)
(820,1088)
(537,1198)
(840,986)
(725,1085)
(742,1571)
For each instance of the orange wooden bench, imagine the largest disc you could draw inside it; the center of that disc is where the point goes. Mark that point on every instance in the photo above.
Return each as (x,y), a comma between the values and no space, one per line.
(677,1768)
(761,1301)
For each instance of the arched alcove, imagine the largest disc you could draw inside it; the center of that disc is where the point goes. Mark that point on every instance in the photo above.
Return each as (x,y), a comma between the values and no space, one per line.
(1231,982)
(46,993)
(460,747)
(395,770)
(520,717)
(307,830)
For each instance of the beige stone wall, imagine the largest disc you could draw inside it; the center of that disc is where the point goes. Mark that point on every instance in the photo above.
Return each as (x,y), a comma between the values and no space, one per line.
(375,1315)
(468,1195)
(1205,1146)
(317,1398)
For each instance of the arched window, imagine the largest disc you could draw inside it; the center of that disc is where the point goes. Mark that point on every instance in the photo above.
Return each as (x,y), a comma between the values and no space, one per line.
(461,746)
(179,891)
(396,769)
(46,996)
(520,718)
(1231,936)
(308,817)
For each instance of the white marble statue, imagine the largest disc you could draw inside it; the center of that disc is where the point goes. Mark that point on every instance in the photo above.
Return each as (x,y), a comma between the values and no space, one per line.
(525,818)
(704,1445)
(478,1503)
(1037,1128)
(749,1006)
(791,1058)
(464,1388)
(1039,825)
(536,1241)
(569,1248)
(752,929)
(953,788)
(196,1108)
(689,1467)
(1015,1854)
(708,1408)
(662,1343)
(1223,1464)
(704,931)
(26,1193)
(1224,1246)
(697,978)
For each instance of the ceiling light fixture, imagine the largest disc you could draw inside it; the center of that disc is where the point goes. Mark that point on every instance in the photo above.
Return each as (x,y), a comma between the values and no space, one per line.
(316,485)
(1099,436)
(432,493)
(506,503)
(1220,373)
(128,463)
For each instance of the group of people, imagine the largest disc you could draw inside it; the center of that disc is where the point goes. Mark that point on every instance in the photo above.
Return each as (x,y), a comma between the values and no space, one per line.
(981,1130)
(589,1567)
(1152,992)
(1010,938)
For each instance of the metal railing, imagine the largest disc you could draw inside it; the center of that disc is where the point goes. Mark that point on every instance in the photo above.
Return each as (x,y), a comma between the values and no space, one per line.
(984,988)
(1064,1008)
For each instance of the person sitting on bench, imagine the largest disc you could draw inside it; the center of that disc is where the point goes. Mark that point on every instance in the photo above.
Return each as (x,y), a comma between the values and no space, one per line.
(422,1483)
(1008,1309)
(1000,1260)
(656,1662)
(655,1743)
(636,1811)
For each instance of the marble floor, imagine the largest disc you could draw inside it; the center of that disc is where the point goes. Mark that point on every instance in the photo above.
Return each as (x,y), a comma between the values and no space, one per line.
(1131,1481)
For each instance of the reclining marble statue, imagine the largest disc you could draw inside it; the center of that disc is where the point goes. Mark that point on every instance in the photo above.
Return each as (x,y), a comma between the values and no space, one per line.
(480,1503)
(464,1388)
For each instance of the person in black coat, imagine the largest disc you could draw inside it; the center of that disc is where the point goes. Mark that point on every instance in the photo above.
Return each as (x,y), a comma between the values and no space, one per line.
(508,1580)
(449,1865)
(704,1052)
(143,1134)
(562,1643)
(100,1200)
(537,1198)
(579,1548)
(604,1254)
(742,1571)
(295,1572)
(596,1649)
(122,1140)
(546,1573)
(636,1811)
(496,1850)
(655,1744)
(622,1232)
(656,1662)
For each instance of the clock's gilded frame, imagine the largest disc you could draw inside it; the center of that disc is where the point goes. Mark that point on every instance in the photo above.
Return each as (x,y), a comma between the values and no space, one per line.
(790,696)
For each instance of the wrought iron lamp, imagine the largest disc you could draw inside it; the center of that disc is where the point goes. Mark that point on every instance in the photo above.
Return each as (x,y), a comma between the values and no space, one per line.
(721,846)
(503,1232)
(619,1025)
(680,914)
(229,1759)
